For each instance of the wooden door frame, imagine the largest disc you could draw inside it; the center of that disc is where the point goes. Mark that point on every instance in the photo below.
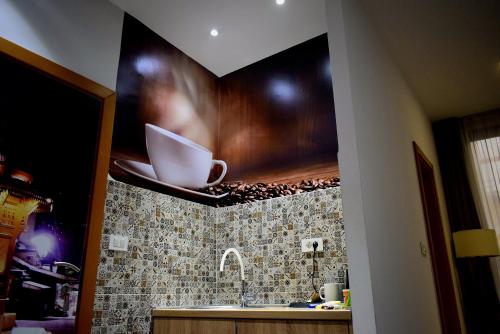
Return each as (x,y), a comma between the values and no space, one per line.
(441,265)
(100,171)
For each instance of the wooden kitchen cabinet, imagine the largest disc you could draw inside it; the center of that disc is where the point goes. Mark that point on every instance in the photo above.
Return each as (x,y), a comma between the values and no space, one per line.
(257,326)
(280,320)
(193,326)
(291,327)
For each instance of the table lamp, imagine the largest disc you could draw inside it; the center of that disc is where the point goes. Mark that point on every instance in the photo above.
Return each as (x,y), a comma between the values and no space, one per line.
(476,243)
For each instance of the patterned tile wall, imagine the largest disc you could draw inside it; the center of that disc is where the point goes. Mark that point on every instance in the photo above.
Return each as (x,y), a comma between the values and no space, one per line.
(170,261)
(175,247)
(268,233)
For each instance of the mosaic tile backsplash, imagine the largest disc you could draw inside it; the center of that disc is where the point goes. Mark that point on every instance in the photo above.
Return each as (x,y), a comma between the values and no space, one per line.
(170,261)
(268,235)
(175,248)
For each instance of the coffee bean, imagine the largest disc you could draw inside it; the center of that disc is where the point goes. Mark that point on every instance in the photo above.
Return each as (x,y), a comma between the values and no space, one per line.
(240,192)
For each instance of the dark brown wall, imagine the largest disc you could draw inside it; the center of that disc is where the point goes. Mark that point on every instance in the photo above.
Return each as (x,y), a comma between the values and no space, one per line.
(272,121)
(277,117)
(159,84)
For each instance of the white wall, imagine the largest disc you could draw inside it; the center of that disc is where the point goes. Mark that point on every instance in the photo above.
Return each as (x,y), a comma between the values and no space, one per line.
(82,35)
(378,117)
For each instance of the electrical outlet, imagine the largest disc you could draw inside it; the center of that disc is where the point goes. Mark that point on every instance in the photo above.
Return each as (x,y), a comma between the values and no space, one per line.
(118,243)
(307,245)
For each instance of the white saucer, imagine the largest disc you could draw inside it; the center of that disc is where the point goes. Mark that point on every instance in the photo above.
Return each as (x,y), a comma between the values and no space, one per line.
(146,172)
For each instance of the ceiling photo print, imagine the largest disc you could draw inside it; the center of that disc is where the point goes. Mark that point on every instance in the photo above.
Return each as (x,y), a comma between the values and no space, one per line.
(266,130)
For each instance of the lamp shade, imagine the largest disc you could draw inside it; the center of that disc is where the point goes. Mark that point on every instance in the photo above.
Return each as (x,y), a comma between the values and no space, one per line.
(472,243)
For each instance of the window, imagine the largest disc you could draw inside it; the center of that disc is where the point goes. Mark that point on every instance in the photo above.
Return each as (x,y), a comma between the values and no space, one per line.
(482,135)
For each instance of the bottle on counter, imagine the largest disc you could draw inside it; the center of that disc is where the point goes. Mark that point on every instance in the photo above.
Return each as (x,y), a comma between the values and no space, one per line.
(346,278)
(347,297)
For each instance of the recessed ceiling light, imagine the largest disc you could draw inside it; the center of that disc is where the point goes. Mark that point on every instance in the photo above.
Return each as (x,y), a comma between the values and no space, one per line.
(280,2)
(214,32)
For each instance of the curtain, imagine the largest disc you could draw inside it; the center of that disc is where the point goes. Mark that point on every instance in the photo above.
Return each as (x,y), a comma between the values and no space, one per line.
(479,300)
(449,138)
(482,153)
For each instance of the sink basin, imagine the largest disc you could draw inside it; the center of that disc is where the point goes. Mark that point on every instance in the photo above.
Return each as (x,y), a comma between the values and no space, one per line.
(213,307)
(229,307)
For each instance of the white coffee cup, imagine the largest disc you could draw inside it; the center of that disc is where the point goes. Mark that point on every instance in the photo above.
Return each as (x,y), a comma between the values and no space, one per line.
(179,161)
(330,292)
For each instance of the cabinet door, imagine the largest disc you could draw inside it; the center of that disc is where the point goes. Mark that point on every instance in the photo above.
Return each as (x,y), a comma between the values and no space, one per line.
(318,327)
(192,326)
(290,327)
(261,327)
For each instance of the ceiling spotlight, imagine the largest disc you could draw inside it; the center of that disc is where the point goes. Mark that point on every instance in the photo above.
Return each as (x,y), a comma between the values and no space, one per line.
(280,2)
(214,32)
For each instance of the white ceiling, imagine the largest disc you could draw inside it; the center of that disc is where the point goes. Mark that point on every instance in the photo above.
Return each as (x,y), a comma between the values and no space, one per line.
(249,30)
(448,50)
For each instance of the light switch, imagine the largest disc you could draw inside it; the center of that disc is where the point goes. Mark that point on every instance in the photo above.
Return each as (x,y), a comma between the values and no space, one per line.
(423,249)
(118,242)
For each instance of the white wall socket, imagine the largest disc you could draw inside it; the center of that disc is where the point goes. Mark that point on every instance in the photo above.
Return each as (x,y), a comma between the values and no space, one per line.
(118,243)
(307,245)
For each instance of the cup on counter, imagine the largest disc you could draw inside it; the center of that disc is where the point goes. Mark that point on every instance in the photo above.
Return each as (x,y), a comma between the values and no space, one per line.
(331,292)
